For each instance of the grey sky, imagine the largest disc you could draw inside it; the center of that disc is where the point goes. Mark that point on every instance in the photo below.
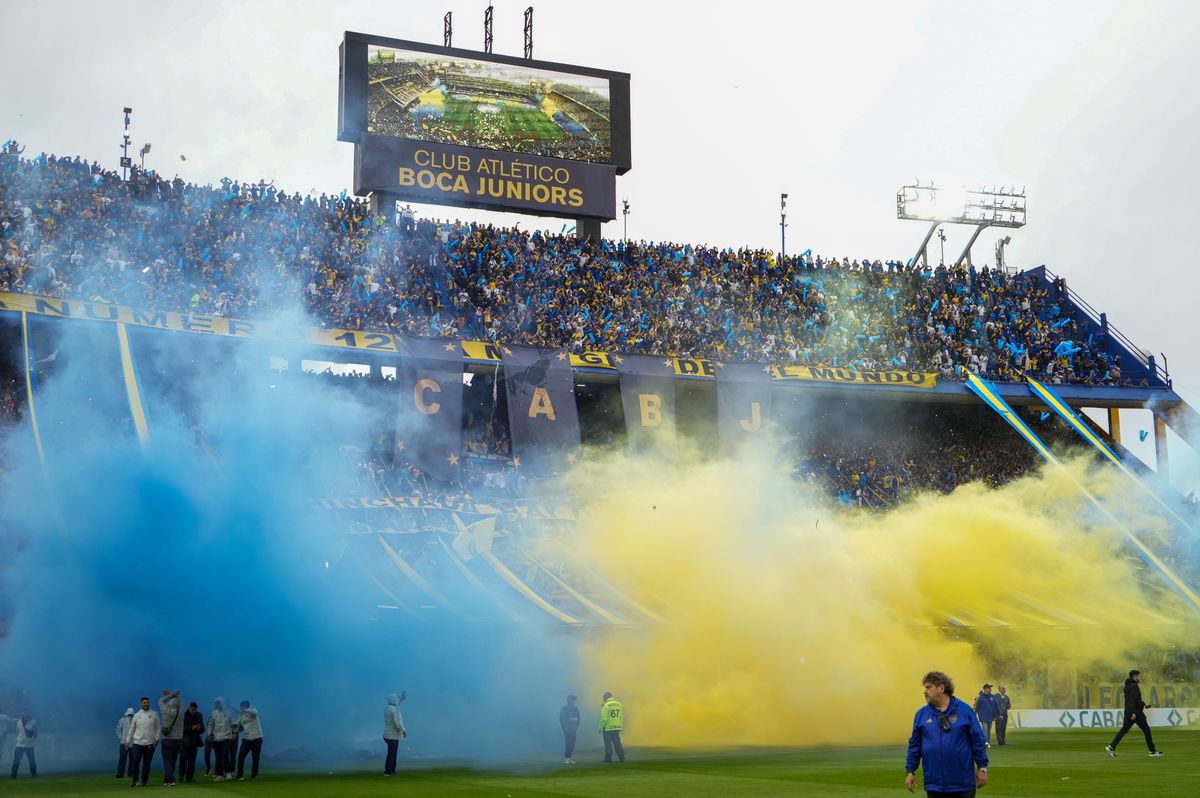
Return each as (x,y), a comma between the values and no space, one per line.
(1090,105)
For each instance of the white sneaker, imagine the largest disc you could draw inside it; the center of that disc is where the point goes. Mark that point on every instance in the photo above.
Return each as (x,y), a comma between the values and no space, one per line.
(567,761)
(1156,753)
(1111,751)
(571,761)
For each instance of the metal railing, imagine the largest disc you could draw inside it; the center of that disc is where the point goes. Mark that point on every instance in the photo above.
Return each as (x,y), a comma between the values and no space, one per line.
(1157,371)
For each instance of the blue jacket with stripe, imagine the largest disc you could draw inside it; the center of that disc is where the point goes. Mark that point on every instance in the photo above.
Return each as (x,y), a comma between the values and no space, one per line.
(947,757)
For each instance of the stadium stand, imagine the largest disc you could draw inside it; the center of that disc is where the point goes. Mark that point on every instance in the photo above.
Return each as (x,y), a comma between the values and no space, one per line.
(247,249)
(879,457)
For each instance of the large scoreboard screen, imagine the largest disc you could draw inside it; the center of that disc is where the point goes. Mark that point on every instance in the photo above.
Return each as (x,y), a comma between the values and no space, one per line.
(441,125)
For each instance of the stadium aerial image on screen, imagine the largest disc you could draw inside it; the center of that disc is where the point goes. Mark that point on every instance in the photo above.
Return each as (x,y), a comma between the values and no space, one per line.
(493,106)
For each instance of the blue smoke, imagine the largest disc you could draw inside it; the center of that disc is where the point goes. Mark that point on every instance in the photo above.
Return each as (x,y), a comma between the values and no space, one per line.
(200,563)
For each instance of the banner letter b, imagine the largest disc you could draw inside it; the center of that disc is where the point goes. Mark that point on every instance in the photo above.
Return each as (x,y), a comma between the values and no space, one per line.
(651,404)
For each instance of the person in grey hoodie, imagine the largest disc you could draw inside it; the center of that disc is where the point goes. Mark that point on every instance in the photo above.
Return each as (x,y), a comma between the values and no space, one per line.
(171,709)
(122,751)
(5,722)
(27,732)
(393,731)
(231,748)
(251,726)
(219,731)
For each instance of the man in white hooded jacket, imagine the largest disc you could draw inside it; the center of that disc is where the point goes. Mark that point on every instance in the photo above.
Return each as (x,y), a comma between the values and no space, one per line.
(27,732)
(122,751)
(220,731)
(252,737)
(145,731)
(393,730)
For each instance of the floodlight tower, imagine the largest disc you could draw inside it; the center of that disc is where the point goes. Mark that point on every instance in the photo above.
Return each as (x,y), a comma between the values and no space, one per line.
(981,208)
(782,226)
(529,32)
(487,29)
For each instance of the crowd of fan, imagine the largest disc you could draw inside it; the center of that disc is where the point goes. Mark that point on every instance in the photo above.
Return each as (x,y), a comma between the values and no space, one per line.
(10,396)
(69,228)
(865,468)
(858,463)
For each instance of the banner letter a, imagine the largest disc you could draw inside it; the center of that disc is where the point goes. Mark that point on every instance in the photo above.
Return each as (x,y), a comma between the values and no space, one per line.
(541,405)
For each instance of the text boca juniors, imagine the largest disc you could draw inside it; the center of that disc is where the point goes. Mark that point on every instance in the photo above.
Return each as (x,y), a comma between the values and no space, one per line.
(491,177)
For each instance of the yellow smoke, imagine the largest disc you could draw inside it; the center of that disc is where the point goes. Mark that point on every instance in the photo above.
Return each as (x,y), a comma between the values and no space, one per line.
(789,622)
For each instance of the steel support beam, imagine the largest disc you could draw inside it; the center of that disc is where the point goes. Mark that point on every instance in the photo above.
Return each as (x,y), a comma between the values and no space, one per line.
(966,253)
(921,255)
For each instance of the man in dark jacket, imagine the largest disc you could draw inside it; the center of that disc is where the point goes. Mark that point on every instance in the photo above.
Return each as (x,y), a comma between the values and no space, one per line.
(985,710)
(1135,713)
(946,743)
(193,731)
(1003,705)
(568,718)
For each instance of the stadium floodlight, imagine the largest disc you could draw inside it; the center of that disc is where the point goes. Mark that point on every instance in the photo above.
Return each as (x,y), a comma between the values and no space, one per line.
(625,213)
(142,152)
(1000,245)
(1003,207)
(782,226)
(125,162)
(980,207)
(487,29)
(529,32)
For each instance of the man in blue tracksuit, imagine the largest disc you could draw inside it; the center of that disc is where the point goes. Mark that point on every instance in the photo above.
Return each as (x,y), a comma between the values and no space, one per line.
(946,742)
(985,710)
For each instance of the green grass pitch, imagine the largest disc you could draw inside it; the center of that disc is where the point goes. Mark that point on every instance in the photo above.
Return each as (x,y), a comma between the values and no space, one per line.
(514,120)
(1035,763)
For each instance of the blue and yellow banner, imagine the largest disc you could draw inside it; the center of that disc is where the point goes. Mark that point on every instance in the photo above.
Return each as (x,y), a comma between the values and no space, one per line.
(987,392)
(849,376)
(1067,414)
(475,351)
